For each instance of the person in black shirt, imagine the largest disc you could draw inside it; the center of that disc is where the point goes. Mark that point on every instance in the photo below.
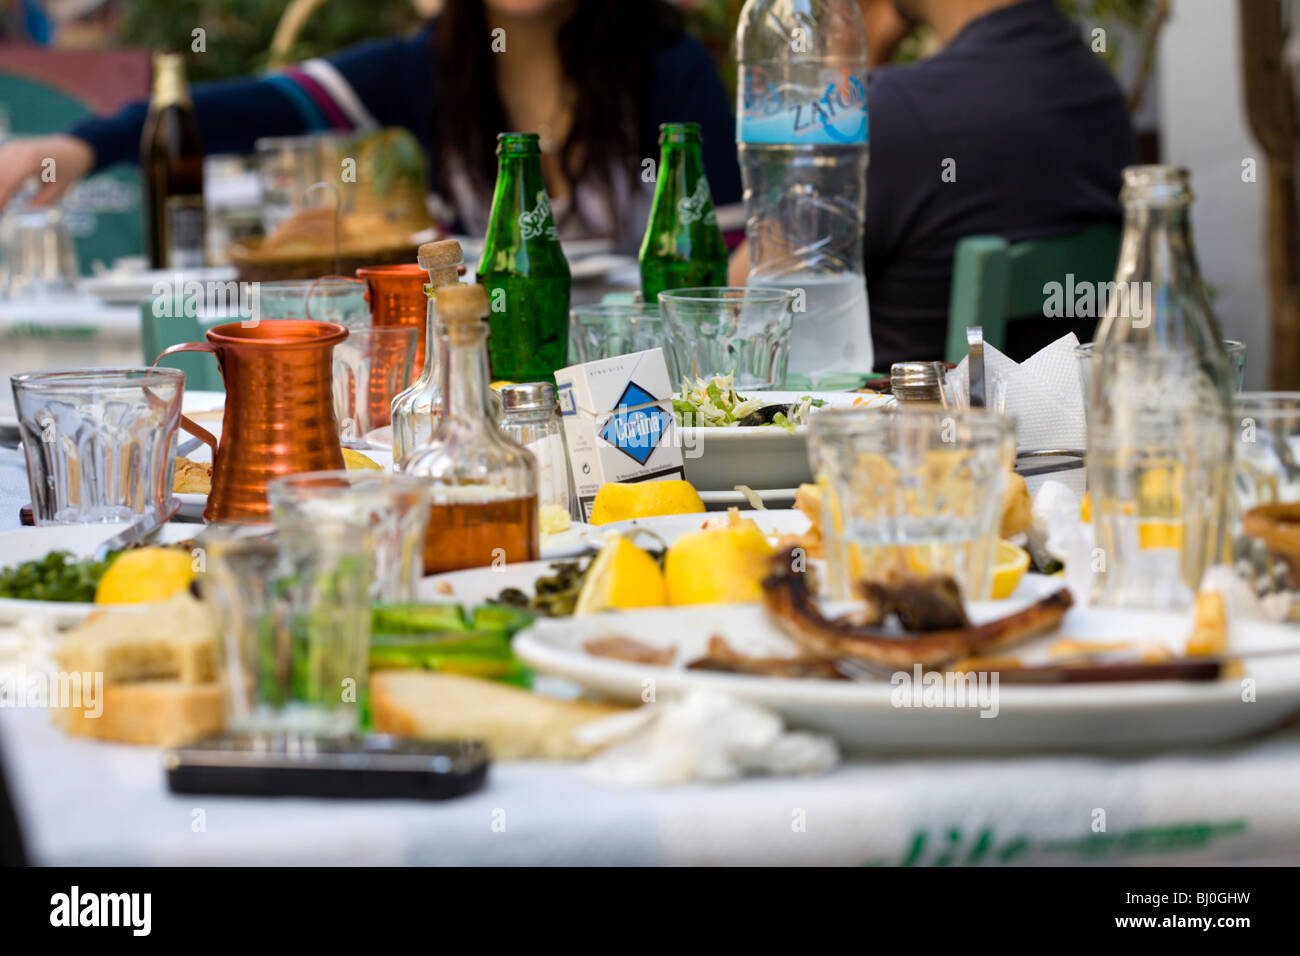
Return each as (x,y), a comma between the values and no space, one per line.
(1031,128)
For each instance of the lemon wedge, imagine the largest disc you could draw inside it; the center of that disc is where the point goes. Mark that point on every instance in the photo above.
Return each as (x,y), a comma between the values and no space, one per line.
(353,460)
(622,576)
(618,501)
(145,575)
(1011,565)
(723,566)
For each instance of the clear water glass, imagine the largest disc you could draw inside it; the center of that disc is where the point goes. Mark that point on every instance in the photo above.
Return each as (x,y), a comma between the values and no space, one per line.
(1236,362)
(292,609)
(1266,470)
(604,331)
(328,299)
(37,254)
(389,511)
(727,330)
(100,442)
(912,490)
(371,366)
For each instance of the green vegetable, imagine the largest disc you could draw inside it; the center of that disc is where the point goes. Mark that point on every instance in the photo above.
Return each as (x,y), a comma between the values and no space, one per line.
(716,403)
(56,577)
(417,618)
(500,617)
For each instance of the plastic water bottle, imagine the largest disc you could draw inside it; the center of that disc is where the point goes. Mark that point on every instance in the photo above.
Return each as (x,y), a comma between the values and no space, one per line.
(801,129)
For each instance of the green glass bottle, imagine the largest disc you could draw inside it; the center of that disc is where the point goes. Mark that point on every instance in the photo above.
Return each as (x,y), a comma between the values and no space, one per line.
(683,245)
(523,269)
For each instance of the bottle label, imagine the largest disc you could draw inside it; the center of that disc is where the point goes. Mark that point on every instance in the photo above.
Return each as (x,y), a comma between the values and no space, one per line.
(184,232)
(538,221)
(698,206)
(783,116)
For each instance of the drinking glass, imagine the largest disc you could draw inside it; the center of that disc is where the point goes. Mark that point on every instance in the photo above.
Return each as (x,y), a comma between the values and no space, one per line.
(1236,362)
(292,609)
(604,331)
(328,299)
(389,511)
(1266,470)
(38,255)
(912,490)
(743,331)
(371,366)
(100,442)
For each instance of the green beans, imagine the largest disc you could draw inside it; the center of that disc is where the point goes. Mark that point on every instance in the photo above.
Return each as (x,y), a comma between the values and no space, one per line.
(56,577)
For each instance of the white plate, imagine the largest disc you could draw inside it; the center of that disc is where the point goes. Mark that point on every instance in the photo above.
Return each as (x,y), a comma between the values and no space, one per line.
(579,539)
(120,287)
(863,717)
(718,459)
(28,544)
(773,523)
(772,498)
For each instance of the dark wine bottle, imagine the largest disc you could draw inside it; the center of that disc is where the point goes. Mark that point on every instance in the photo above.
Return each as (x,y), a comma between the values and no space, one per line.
(171,159)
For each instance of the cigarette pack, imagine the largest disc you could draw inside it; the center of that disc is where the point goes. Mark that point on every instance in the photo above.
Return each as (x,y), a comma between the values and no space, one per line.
(618,422)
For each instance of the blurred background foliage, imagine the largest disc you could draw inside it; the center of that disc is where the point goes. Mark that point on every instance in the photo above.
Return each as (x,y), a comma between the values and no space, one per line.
(239,31)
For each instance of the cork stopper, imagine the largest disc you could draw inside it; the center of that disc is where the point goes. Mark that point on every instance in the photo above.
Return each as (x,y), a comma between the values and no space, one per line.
(441,259)
(460,307)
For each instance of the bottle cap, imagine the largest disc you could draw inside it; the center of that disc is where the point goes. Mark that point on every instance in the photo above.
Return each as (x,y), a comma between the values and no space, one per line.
(458,303)
(528,397)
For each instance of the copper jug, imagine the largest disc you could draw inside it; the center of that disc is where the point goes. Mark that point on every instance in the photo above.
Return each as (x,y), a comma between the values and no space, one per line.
(396,297)
(279,417)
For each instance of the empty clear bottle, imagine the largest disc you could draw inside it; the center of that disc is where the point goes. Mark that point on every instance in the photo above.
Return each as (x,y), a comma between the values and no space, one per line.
(415,410)
(801,130)
(1159,408)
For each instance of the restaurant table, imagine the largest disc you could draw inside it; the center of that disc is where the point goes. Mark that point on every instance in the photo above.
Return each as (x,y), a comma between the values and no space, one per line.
(83,802)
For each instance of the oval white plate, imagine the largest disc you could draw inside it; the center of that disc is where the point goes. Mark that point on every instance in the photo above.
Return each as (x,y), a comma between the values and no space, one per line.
(862,716)
(28,544)
(669,528)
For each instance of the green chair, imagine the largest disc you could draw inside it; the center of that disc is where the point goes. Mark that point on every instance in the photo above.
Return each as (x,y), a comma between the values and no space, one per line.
(996,283)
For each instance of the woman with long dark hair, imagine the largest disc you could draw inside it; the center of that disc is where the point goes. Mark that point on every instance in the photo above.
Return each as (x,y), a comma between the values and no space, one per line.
(594,78)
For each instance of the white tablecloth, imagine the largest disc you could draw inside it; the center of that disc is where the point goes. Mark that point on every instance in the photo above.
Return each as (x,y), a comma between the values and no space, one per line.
(84,802)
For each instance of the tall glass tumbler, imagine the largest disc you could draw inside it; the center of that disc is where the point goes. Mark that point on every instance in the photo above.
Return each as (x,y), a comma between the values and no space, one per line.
(604,331)
(741,331)
(371,366)
(100,442)
(1266,471)
(389,511)
(293,613)
(912,490)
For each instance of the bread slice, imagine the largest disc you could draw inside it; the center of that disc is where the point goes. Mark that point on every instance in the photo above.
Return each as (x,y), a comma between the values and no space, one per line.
(513,723)
(169,640)
(152,713)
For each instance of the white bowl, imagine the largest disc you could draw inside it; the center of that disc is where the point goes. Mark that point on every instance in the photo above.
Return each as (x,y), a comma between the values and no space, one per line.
(764,456)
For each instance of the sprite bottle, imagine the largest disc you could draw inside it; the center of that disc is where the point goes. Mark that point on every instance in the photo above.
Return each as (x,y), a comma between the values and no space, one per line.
(683,245)
(523,269)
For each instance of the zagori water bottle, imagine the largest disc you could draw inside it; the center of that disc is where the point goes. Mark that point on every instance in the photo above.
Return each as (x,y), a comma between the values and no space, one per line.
(801,129)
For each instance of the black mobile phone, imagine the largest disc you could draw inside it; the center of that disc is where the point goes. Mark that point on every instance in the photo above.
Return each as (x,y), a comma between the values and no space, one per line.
(366,767)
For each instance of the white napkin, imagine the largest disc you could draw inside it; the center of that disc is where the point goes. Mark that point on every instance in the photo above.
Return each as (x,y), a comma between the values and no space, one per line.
(1045,396)
(700,737)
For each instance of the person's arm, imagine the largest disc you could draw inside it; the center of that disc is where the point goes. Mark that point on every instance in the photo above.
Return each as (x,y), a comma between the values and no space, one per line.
(358,88)
(372,84)
(688,90)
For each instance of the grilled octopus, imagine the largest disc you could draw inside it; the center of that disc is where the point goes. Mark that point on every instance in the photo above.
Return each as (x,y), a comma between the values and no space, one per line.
(926,602)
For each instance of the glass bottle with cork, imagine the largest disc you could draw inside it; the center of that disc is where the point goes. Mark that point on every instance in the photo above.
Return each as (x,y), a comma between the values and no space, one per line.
(1159,409)
(683,246)
(484,485)
(523,268)
(416,410)
(171,158)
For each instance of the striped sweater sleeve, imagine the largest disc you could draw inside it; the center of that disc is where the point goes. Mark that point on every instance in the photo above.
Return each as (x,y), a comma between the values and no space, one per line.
(372,84)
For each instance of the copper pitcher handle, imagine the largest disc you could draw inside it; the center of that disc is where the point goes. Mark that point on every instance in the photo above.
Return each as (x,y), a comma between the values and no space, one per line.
(195,429)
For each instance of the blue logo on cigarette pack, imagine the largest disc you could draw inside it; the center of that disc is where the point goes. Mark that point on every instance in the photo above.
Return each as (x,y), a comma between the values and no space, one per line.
(637,424)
